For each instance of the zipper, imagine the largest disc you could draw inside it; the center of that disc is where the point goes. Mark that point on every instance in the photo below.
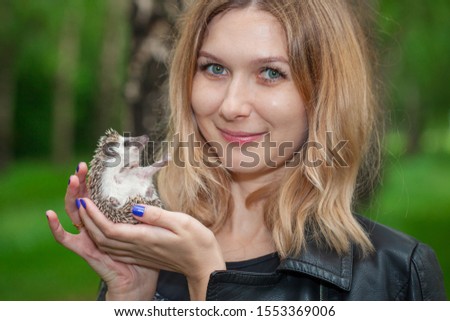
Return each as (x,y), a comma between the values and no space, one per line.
(322,292)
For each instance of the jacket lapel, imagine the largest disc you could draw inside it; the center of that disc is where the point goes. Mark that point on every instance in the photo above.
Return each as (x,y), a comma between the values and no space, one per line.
(322,264)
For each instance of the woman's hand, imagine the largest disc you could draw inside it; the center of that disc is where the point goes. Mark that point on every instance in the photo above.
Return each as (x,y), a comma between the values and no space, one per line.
(125,281)
(168,240)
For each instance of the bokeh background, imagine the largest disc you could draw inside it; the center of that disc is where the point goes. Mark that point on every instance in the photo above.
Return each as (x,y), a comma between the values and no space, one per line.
(71,69)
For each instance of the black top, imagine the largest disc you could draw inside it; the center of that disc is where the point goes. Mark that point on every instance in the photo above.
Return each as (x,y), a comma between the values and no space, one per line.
(173,286)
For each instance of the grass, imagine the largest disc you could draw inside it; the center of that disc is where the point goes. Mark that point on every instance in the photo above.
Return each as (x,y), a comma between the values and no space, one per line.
(414,198)
(33,266)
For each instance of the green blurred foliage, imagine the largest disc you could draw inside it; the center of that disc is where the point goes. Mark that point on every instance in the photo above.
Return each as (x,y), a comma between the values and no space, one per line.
(32,265)
(414,198)
(415,63)
(31,34)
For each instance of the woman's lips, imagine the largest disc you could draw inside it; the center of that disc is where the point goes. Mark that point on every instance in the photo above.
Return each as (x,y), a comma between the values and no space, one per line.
(240,137)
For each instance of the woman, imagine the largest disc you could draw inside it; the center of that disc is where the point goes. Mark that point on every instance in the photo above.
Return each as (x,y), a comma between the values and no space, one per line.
(278,99)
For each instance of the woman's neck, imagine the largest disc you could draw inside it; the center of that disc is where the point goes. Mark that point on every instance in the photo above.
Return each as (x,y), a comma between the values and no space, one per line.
(247,183)
(245,234)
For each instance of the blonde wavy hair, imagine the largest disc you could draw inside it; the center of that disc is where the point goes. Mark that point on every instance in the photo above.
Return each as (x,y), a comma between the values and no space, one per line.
(329,61)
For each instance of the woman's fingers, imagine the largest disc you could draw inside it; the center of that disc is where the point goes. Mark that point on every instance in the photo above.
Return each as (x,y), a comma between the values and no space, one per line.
(75,190)
(70,200)
(142,242)
(81,173)
(156,216)
(106,234)
(81,244)
(121,231)
(63,237)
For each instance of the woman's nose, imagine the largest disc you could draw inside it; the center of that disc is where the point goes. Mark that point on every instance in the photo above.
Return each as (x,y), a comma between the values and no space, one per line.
(238,99)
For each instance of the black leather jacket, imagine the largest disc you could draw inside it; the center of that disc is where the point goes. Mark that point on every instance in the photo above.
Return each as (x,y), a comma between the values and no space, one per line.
(401,269)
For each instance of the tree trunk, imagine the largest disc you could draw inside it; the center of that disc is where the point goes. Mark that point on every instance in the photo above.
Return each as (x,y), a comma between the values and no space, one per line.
(64,99)
(8,52)
(6,108)
(146,89)
(111,110)
(416,118)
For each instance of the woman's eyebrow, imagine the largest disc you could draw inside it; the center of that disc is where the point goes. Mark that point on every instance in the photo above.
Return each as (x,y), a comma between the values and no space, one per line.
(208,55)
(257,61)
(270,59)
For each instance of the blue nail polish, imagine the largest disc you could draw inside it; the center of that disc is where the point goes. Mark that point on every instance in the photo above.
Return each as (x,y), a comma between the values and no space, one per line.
(77,203)
(83,203)
(138,210)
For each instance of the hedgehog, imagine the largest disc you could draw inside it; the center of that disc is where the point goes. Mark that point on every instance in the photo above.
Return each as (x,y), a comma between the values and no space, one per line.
(116,179)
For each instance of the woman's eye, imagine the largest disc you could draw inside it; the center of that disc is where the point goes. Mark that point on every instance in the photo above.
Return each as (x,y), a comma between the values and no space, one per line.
(216,69)
(271,74)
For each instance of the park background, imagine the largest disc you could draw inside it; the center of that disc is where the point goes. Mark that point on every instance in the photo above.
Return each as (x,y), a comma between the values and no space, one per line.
(71,69)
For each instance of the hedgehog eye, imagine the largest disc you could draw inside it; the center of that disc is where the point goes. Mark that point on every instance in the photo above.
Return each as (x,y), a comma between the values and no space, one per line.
(126,143)
(110,149)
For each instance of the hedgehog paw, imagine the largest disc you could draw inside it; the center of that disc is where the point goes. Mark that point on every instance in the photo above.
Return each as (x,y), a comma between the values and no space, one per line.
(114,201)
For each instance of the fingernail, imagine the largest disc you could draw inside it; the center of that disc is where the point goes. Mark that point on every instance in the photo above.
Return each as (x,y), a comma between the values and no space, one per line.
(77,202)
(138,210)
(83,203)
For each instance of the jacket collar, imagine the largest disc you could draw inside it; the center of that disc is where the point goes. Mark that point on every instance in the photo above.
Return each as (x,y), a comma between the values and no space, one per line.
(325,265)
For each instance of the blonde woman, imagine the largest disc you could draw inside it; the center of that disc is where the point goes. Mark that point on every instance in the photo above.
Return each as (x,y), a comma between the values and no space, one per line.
(274,125)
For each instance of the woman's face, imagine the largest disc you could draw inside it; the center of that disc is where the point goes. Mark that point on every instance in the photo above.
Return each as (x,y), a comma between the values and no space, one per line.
(244,100)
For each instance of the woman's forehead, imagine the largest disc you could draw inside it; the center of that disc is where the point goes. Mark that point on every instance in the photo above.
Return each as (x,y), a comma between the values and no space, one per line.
(244,30)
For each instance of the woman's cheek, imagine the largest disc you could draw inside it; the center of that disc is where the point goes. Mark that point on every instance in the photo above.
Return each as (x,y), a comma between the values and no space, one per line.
(206,96)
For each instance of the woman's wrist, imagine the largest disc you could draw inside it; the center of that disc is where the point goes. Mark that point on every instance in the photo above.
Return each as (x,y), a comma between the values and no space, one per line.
(198,284)
(133,289)
(132,294)
(198,288)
